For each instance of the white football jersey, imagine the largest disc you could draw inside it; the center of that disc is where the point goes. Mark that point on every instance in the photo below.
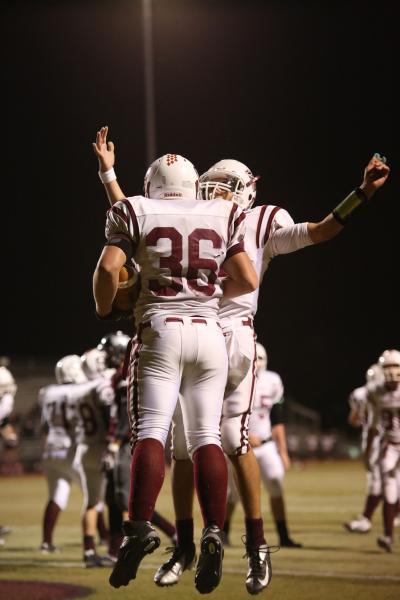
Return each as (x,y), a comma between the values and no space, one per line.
(385,411)
(270,231)
(180,246)
(269,391)
(59,415)
(358,400)
(94,400)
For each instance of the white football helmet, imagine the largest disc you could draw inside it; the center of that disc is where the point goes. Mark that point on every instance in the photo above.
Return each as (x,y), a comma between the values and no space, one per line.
(7,382)
(171,176)
(69,370)
(262,357)
(389,360)
(229,176)
(94,363)
(374,373)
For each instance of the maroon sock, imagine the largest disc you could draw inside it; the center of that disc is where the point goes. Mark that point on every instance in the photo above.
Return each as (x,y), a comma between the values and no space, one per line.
(165,526)
(370,505)
(184,531)
(49,520)
(147,476)
(389,514)
(88,542)
(254,533)
(101,526)
(211,479)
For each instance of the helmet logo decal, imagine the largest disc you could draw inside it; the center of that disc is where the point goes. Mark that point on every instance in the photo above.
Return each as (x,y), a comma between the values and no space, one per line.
(171,159)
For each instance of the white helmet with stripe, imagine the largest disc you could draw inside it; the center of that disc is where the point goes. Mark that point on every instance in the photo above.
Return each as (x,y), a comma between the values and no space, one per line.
(7,382)
(171,176)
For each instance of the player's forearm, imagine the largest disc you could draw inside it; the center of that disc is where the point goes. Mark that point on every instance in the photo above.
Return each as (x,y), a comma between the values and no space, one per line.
(114,192)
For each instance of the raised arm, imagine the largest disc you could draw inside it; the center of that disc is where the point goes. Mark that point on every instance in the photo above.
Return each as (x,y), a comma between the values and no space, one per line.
(105,153)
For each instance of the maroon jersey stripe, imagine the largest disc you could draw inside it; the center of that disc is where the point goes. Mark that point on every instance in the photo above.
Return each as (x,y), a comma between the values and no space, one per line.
(260,219)
(133,218)
(234,250)
(120,213)
(270,219)
(233,210)
(240,218)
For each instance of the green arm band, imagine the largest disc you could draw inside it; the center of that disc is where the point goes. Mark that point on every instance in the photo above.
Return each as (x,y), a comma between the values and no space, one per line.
(345,209)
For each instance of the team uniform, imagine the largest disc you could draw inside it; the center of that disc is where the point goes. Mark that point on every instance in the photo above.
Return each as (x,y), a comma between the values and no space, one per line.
(180,245)
(59,416)
(181,346)
(358,401)
(385,407)
(94,400)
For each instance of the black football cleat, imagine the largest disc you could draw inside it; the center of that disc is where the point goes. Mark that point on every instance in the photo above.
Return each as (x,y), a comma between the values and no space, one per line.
(209,567)
(140,539)
(289,543)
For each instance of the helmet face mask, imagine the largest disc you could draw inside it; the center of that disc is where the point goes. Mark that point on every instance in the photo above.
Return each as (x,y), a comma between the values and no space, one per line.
(229,179)
(171,176)
(390,364)
(374,374)
(69,370)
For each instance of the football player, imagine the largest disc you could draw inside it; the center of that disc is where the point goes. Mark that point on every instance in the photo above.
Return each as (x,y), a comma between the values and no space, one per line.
(8,390)
(59,418)
(384,399)
(269,231)
(180,245)
(268,440)
(94,400)
(359,416)
(117,458)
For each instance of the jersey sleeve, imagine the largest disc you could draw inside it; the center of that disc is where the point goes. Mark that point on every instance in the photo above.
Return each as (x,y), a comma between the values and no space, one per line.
(236,231)
(122,228)
(282,235)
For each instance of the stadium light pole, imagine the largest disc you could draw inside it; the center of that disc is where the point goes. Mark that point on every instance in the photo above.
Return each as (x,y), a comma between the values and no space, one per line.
(150,111)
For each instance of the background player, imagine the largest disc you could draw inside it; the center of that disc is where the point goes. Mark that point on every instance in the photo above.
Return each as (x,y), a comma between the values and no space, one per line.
(360,416)
(8,389)
(59,416)
(384,399)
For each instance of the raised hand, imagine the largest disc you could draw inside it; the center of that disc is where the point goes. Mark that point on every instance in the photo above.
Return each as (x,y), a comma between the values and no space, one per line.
(375,174)
(104,150)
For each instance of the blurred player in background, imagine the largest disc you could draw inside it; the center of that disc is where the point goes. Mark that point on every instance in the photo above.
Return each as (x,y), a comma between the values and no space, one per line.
(384,399)
(117,457)
(360,416)
(59,416)
(8,389)
(268,439)
(94,400)
(269,231)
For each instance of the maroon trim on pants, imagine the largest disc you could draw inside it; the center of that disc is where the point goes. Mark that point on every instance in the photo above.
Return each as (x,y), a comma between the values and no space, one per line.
(199,321)
(173,320)
(133,413)
(245,417)
(248,323)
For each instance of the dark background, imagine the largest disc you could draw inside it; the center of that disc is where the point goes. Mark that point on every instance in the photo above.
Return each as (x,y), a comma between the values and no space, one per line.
(302,92)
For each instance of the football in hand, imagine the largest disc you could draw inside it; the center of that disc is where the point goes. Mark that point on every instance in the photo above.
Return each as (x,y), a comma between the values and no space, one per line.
(128,288)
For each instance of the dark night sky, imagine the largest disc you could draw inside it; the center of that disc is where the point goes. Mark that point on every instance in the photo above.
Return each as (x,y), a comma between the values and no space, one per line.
(302,92)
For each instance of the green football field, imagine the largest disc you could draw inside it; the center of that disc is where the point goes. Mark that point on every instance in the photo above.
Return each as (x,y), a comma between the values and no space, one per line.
(333,564)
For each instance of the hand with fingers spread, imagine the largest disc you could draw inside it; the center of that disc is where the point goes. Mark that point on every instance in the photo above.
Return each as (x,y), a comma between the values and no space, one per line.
(104,150)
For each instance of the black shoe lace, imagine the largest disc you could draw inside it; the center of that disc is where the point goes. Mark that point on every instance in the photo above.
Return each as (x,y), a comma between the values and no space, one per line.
(177,553)
(253,554)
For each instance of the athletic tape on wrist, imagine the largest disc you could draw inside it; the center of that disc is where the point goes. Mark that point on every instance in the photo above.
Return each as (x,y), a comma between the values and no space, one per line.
(343,211)
(107,176)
